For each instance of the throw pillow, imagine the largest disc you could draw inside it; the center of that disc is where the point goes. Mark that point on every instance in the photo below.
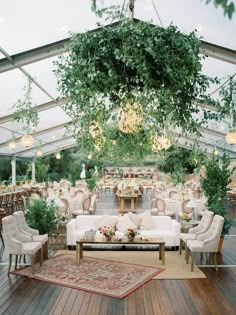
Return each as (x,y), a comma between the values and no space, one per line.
(134,218)
(106,220)
(125,223)
(146,221)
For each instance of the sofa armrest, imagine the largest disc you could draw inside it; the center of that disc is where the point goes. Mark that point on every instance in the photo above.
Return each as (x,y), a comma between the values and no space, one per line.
(70,231)
(176,231)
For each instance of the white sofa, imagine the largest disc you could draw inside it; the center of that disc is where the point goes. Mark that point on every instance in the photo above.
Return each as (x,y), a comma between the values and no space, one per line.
(162,226)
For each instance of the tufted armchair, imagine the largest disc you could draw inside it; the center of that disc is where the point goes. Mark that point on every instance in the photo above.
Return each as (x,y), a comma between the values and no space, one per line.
(201,228)
(23,228)
(206,242)
(18,243)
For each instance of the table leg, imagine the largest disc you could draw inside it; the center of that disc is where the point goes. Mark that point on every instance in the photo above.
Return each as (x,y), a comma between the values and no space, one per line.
(81,251)
(122,205)
(78,250)
(162,249)
(132,206)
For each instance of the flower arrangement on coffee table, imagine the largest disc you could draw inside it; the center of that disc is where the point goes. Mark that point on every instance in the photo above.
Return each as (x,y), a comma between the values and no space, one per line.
(131,233)
(186,217)
(107,231)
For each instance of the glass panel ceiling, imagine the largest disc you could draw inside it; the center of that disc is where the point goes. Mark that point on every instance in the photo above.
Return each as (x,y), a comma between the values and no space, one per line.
(42,71)
(26,24)
(12,84)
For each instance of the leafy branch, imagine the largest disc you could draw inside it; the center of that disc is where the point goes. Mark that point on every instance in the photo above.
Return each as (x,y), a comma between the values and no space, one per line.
(25,111)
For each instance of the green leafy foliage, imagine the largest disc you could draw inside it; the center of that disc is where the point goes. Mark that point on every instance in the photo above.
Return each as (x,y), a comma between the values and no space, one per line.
(159,69)
(228,6)
(215,186)
(41,215)
(25,111)
(180,162)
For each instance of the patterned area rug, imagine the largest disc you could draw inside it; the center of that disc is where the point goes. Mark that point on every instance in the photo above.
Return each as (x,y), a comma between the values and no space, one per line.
(110,278)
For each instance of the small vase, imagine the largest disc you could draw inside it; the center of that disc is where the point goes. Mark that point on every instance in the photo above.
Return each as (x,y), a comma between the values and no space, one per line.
(108,238)
(131,238)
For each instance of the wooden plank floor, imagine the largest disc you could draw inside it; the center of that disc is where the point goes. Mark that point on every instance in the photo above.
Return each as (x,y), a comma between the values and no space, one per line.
(214,295)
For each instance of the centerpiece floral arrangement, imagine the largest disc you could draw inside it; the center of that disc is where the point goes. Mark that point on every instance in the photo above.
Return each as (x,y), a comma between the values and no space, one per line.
(131,233)
(107,231)
(186,217)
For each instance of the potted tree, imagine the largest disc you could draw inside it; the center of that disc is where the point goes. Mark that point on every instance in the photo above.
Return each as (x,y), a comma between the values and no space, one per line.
(215,187)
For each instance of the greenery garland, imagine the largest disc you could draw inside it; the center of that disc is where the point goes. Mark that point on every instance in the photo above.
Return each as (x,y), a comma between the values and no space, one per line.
(158,68)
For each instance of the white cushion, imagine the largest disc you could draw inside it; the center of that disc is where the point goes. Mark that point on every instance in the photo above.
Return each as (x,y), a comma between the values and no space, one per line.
(106,220)
(85,223)
(134,218)
(146,221)
(125,223)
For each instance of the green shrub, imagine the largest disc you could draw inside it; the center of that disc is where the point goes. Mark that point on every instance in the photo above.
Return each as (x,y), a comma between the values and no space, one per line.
(42,216)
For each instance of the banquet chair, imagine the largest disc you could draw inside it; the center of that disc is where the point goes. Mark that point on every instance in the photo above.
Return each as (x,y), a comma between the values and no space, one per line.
(173,194)
(24,229)
(92,206)
(160,208)
(201,228)
(19,244)
(206,242)
(79,194)
(185,209)
(85,208)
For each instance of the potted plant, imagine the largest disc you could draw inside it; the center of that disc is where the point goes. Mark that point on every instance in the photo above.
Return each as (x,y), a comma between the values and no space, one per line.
(215,187)
(42,215)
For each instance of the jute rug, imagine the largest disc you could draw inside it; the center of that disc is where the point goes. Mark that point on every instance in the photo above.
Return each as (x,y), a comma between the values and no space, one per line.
(105,277)
(175,265)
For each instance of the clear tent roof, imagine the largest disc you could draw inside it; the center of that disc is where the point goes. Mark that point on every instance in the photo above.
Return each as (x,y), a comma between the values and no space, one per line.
(28,31)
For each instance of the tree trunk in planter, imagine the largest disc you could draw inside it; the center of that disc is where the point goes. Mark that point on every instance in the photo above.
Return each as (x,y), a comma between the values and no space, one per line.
(220,245)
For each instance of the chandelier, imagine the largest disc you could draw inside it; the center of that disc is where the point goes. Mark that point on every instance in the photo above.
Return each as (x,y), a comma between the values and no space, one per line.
(27,140)
(130,118)
(95,129)
(231,137)
(159,143)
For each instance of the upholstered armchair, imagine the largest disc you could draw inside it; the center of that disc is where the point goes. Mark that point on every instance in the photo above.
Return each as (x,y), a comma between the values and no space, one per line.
(201,228)
(23,228)
(18,243)
(206,242)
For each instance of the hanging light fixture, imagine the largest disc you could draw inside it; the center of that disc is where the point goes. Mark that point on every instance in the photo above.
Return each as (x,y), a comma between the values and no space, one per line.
(12,143)
(231,136)
(39,153)
(27,140)
(215,151)
(130,118)
(58,155)
(160,142)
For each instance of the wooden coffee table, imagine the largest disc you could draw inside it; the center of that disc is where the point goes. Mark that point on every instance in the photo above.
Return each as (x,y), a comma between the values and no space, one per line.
(159,241)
